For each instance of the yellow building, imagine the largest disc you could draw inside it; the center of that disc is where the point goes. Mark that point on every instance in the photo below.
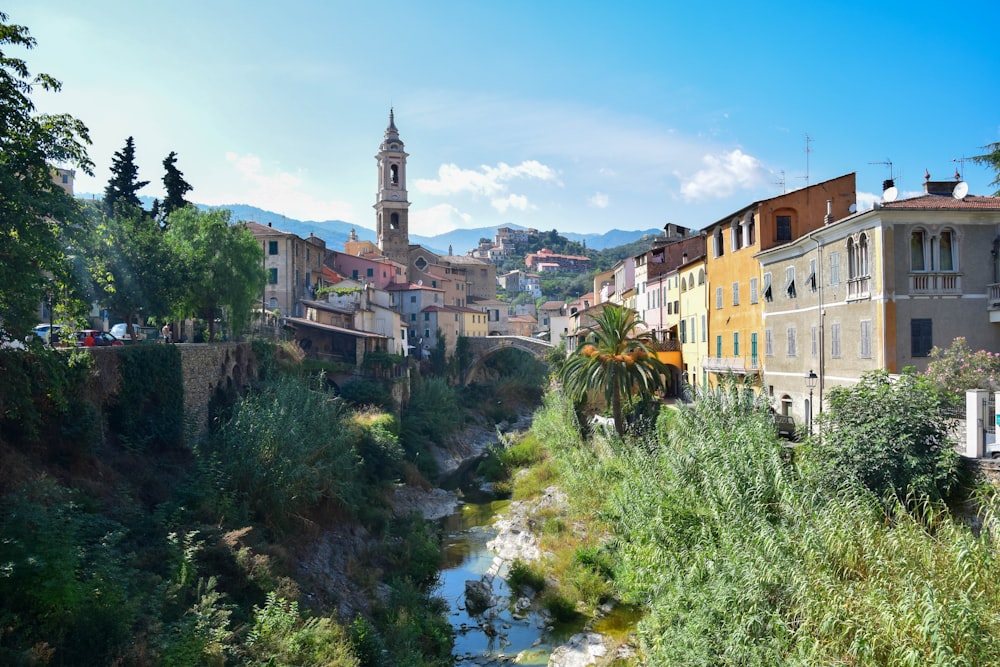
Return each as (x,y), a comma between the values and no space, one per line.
(694,320)
(735,282)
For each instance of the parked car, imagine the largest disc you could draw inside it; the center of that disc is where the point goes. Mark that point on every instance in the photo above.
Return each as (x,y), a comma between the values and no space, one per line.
(91,338)
(785,425)
(44,331)
(120,331)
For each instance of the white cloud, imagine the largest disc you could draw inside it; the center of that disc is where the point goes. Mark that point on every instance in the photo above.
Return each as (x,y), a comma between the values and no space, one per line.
(516,202)
(274,190)
(722,175)
(866,200)
(598,200)
(437,220)
(487,181)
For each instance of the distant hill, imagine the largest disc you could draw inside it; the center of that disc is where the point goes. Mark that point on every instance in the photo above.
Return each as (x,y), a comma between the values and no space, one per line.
(336,232)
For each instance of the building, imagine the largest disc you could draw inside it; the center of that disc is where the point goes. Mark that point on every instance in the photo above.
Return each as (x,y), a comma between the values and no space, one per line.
(693,332)
(736,314)
(294,268)
(878,290)
(546,260)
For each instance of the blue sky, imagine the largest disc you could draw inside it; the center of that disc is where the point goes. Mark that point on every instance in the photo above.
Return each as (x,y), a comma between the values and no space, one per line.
(577,116)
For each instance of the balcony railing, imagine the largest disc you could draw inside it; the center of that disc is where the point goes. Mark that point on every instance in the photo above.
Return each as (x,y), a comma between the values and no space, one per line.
(738,365)
(666,346)
(993,296)
(859,288)
(935,283)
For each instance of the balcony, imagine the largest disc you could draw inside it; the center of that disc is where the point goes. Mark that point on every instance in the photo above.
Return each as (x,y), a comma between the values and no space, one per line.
(935,283)
(993,301)
(859,289)
(737,365)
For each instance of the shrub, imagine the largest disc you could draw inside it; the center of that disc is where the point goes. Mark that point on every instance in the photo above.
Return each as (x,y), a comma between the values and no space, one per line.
(523,575)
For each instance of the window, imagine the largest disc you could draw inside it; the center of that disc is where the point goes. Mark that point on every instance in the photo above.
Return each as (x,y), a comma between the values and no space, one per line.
(857,257)
(670,308)
(865,344)
(735,235)
(704,329)
(370,273)
(812,275)
(751,228)
(918,250)
(413,317)
(427,333)
(753,290)
(834,268)
(272,276)
(718,298)
(921,340)
(717,242)
(421,263)
(790,282)
(768,342)
(792,351)
(394,221)
(677,306)
(736,343)
(835,340)
(683,331)
(753,349)
(718,347)
(767,288)
(272,247)
(813,341)
(701,276)
(413,299)
(946,251)
(354,274)
(783,228)
(736,294)
(427,317)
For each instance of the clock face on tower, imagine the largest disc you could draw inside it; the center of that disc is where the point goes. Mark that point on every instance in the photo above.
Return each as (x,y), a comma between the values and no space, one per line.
(394,195)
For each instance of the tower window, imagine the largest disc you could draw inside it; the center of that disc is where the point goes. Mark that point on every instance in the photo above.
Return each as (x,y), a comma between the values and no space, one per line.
(394,221)
(394,174)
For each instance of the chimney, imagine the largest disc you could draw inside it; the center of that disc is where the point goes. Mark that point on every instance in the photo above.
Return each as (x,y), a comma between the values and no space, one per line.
(940,188)
(829,212)
(888,183)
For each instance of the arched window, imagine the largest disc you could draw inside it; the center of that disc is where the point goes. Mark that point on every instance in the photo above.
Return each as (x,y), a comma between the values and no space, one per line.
(394,221)
(749,229)
(918,250)
(736,234)
(863,256)
(701,276)
(946,250)
(852,259)
(718,242)
(394,174)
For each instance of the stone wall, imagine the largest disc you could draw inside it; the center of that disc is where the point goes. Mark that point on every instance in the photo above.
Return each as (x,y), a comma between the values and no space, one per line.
(208,369)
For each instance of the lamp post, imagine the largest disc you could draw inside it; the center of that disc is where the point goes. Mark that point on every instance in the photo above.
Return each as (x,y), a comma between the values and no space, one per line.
(811,379)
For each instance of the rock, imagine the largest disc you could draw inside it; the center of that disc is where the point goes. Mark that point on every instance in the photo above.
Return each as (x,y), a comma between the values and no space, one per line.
(580,651)
(478,596)
(430,503)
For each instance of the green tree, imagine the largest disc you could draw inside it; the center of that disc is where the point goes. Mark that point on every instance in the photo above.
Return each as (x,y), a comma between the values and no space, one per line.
(615,358)
(957,368)
(37,216)
(890,435)
(175,185)
(124,185)
(218,267)
(991,158)
(131,264)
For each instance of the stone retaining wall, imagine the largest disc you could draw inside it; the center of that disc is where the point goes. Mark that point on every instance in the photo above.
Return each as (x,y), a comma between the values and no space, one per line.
(210,368)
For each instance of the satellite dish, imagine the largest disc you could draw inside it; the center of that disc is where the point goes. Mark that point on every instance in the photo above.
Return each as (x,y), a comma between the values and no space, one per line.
(853,208)
(420,283)
(961,189)
(890,194)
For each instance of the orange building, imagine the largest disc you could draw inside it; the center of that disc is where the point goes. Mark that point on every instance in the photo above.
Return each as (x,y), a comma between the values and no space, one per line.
(736,289)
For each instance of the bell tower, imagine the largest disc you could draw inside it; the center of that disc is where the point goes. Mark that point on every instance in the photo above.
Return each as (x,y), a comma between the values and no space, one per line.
(391,207)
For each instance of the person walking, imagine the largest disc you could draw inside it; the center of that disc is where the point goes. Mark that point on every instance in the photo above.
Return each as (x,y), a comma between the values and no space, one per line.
(165,332)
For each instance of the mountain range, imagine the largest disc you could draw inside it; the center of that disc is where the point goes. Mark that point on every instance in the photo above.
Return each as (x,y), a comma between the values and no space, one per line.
(459,241)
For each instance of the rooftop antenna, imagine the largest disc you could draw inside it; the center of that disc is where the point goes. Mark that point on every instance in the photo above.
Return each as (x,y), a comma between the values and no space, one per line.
(887,163)
(808,151)
(960,175)
(781,181)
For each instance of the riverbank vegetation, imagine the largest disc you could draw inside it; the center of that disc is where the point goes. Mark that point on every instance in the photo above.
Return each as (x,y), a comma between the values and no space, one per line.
(742,550)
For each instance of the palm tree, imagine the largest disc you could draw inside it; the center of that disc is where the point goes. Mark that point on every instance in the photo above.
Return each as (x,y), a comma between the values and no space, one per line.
(615,357)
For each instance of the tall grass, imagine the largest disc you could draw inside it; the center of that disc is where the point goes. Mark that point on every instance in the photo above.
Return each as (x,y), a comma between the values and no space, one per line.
(740,558)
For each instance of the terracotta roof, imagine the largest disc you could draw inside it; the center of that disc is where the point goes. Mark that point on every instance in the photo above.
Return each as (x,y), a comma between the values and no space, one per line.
(298,321)
(942,203)
(551,305)
(404,287)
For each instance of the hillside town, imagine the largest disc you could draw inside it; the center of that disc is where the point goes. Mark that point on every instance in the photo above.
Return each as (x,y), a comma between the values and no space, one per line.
(798,293)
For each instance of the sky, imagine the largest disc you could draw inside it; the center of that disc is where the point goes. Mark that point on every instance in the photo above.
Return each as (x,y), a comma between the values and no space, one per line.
(576,116)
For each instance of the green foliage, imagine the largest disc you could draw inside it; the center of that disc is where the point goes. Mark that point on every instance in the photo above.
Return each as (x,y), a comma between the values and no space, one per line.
(174,185)
(363,392)
(121,193)
(280,636)
(285,451)
(957,368)
(367,643)
(522,575)
(616,359)
(39,221)
(218,267)
(148,412)
(62,580)
(892,436)
(991,158)
(381,456)
(432,415)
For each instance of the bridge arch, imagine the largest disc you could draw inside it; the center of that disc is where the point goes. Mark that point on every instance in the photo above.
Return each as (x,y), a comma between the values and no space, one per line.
(482,348)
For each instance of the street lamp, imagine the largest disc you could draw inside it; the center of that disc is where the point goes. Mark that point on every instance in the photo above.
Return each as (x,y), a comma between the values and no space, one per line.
(811,379)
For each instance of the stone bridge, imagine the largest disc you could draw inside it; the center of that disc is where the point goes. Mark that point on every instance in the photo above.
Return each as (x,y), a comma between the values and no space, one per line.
(482,348)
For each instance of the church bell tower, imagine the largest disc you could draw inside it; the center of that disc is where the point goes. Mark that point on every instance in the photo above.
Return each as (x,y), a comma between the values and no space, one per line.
(391,206)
